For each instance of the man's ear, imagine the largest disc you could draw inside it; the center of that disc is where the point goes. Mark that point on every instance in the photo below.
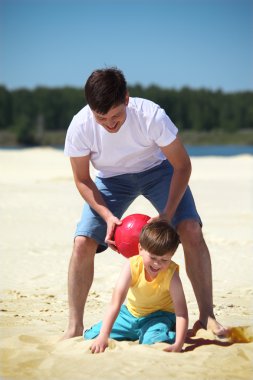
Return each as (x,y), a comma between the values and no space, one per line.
(127,98)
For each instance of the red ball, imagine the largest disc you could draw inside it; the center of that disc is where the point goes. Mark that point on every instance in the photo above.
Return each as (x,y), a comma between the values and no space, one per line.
(127,234)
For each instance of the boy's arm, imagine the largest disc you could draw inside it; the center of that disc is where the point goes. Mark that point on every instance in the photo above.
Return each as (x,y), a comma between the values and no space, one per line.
(118,297)
(178,297)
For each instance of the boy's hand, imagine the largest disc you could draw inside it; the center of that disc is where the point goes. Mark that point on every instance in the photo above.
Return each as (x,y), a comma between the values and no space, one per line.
(99,345)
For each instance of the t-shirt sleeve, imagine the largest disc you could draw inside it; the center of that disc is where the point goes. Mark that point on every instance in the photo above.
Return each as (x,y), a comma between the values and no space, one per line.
(76,143)
(161,129)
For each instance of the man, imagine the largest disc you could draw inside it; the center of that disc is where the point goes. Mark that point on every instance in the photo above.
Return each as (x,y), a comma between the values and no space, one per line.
(133,146)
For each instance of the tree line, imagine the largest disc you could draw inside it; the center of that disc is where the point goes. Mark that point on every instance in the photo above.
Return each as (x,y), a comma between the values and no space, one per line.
(29,114)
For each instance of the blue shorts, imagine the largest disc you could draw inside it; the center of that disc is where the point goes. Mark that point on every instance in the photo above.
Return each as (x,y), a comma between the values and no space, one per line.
(155,327)
(120,191)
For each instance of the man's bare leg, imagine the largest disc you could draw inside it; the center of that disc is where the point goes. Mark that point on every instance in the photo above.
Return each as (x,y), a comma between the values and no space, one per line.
(199,270)
(80,278)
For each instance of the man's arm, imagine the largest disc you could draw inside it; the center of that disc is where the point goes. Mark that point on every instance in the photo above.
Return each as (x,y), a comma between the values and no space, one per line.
(179,159)
(118,297)
(178,297)
(90,192)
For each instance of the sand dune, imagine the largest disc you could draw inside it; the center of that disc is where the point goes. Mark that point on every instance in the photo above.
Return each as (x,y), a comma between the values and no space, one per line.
(39,207)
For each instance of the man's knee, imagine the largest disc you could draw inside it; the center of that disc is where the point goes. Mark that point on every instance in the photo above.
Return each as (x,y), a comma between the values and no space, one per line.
(190,232)
(84,245)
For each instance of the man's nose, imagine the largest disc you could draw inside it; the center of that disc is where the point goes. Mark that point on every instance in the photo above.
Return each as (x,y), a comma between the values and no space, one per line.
(110,122)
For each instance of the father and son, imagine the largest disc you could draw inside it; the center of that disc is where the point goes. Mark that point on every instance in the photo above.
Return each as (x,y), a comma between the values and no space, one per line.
(134,147)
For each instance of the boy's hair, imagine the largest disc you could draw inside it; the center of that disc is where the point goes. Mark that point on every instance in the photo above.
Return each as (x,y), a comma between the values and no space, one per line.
(104,89)
(159,238)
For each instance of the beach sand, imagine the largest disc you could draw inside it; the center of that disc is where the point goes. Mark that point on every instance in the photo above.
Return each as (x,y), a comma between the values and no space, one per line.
(39,208)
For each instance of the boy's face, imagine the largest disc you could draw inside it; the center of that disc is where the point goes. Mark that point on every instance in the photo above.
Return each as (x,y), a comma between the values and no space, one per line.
(154,264)
(114,118)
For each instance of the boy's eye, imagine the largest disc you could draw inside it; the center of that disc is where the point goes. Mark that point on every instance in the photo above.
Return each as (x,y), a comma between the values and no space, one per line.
(160,260)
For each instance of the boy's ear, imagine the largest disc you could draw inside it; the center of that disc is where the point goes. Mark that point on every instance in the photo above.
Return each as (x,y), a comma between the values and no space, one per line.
(127,98)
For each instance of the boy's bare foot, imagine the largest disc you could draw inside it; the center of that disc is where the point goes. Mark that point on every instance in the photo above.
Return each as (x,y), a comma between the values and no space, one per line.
(212,325)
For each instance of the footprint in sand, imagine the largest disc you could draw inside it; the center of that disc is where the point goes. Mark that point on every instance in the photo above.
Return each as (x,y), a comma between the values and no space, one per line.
(29,339)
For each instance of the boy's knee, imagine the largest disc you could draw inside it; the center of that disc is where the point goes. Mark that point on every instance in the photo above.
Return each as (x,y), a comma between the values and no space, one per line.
(161,330)
(158,335)
(92,332)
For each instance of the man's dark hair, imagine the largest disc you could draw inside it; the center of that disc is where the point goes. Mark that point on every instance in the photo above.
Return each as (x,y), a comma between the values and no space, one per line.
(159,238)
(104,89)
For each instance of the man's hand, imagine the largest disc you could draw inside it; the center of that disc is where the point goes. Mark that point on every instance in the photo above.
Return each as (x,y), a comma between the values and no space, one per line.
(161,216)
(112,222)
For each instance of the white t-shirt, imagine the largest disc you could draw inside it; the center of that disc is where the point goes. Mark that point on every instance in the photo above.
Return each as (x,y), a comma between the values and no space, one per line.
(134,148)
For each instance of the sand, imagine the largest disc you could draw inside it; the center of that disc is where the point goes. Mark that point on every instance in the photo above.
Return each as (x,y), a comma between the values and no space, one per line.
(39,208)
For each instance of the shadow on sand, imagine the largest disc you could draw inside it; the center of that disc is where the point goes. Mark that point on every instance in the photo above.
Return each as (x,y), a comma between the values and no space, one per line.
(240,334)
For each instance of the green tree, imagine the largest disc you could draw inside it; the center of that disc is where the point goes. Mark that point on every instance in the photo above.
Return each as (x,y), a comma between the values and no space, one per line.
(5,108)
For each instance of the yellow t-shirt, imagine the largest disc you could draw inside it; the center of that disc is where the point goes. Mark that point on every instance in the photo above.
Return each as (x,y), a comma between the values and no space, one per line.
(146,297)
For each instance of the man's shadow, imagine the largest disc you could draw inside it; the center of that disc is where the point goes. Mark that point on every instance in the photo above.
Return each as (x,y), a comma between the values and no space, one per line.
(198,342)
(234,335)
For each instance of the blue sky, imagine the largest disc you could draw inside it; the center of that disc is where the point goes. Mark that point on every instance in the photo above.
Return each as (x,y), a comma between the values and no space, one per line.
(171,43)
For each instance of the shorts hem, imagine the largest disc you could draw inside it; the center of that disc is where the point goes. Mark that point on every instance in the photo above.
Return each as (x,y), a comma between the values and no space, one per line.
(102,246)
(187,217)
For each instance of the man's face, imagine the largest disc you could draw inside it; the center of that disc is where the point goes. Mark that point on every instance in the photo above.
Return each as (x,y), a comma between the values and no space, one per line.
(114,118)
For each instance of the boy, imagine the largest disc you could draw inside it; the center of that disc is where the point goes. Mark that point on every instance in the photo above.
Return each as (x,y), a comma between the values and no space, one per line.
(156,309)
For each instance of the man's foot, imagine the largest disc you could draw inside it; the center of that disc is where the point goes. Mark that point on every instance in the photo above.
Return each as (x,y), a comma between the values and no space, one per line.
(70,333)
(217,329)
(212,325)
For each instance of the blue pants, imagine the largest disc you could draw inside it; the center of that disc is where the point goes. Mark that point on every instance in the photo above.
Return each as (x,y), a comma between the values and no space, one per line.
(155,327)
(120,191)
